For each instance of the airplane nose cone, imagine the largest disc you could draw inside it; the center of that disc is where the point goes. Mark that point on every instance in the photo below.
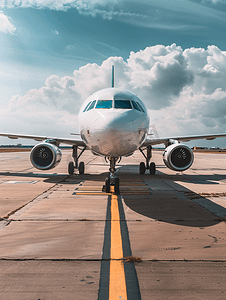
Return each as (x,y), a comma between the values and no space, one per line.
(104,121)
(115,121)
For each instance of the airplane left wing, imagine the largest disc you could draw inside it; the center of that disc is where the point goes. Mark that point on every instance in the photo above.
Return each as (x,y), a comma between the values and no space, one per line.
(166,141)
(76,142)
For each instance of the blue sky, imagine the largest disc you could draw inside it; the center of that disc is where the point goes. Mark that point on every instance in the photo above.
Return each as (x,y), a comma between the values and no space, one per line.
(50,50)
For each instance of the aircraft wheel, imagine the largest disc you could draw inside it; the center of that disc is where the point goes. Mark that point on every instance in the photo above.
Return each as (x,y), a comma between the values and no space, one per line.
(107,185)
(152,168)
(71,168)
(81,167)
(116,186)
(142,168)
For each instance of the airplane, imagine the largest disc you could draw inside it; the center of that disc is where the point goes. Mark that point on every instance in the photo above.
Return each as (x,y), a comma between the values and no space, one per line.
(113,123)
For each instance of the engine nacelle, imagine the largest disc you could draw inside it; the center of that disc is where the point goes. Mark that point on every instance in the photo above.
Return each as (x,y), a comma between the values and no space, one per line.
(45,156)
(178,157)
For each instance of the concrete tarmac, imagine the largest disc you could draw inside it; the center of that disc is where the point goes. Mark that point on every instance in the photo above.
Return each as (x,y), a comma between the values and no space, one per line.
(56,231)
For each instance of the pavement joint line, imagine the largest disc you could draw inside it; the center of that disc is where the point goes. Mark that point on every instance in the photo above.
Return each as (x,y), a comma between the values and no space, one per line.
(54,220)
(19,208)
(91,160)
(101,220)
(105,259)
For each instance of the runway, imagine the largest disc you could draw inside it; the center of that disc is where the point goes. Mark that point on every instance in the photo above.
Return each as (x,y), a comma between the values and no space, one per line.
(63,237)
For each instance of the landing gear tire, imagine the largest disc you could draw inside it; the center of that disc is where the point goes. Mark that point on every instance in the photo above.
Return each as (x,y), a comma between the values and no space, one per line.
(152,168)
(71,168)
(116,186)
(107,185)
(81,167)
(142,168)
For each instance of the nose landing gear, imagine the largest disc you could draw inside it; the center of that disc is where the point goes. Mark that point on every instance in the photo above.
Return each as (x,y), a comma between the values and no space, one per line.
(112,180)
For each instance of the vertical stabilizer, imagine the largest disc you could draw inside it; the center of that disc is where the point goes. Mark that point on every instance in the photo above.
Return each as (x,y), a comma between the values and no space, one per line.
(113,77)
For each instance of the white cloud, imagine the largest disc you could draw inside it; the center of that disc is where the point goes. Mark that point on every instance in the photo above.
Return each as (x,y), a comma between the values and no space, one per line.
(104,8)
(5,25)
(83,5)
(185,91)
(159,73)
(149,14)
(216,1)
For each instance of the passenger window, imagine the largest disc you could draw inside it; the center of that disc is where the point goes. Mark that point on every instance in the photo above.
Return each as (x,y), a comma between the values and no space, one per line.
(87,106)
(92,105)
(135,106)
(140,107)
(104,104)
(123,104)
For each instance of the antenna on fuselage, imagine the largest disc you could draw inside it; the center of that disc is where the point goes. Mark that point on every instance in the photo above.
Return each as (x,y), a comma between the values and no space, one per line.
(113,77)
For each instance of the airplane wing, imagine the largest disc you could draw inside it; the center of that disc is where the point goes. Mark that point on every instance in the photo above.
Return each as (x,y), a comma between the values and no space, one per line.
(151,142)
(76,142)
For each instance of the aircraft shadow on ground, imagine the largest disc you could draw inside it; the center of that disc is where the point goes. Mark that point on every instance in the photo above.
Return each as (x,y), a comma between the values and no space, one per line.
(177,204)
(50,178)
(54,178)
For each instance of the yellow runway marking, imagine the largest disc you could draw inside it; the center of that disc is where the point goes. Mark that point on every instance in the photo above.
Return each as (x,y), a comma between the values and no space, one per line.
(116,238)
(117,281)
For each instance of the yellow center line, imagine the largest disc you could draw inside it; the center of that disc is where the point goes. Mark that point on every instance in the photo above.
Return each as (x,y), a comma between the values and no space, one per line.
(117,281)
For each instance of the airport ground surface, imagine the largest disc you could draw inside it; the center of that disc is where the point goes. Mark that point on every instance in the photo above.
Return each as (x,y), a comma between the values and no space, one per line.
(62,237)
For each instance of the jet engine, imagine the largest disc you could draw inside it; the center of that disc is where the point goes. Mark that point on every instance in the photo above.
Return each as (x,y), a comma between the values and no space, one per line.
(178,157)
(45,156)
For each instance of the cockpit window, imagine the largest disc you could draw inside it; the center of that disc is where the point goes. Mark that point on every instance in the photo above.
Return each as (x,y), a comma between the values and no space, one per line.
(135,106)
(123,104)
(86,106)
(104,104)
(92,105)
(140,107)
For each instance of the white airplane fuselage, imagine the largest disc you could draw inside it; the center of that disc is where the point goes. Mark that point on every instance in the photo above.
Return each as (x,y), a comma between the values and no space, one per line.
(115,122)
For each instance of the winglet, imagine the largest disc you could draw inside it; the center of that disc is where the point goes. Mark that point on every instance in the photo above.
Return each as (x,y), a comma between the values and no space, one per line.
(113,77)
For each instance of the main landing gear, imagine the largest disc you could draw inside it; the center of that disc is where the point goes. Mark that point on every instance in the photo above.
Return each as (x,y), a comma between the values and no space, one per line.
(112,180)
(74,165)
(149,166)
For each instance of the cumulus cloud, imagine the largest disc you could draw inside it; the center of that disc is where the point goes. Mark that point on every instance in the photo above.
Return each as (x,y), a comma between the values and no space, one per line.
(5,24)
(159,73)
(184,90)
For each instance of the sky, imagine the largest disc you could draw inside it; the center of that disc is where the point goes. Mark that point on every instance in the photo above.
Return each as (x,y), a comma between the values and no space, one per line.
(55,53)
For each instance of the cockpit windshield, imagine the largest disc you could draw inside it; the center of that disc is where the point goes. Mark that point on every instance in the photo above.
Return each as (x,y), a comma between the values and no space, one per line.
(141,107)
(135,106)
(92,105)
(118,104)
(87,106)
(104,104)
(123,104)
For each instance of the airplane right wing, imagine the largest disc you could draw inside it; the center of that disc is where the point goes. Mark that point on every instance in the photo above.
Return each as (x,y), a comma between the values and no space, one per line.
(166,141)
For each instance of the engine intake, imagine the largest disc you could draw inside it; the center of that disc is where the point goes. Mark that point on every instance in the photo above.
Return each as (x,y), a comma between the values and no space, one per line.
(45,156)
(178,157)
